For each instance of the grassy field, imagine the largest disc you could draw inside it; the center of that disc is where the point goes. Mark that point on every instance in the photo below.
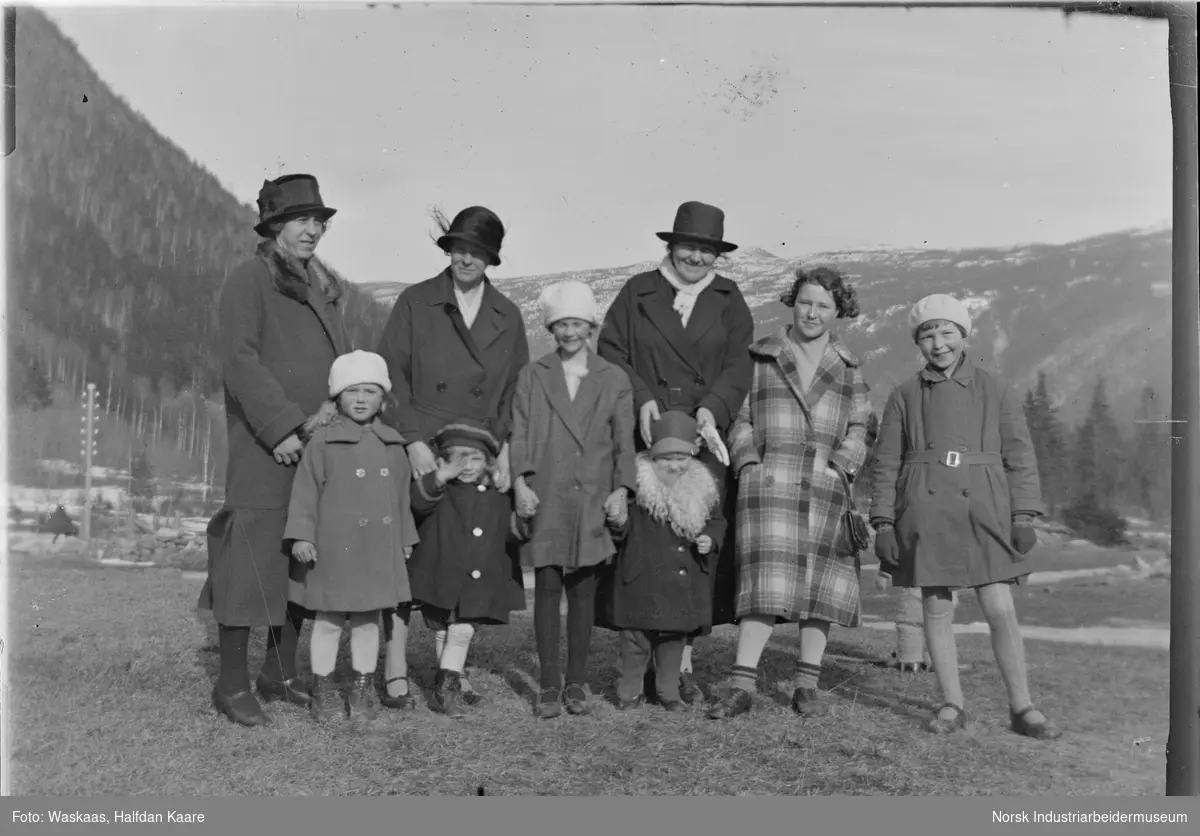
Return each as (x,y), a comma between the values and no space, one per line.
(112,672)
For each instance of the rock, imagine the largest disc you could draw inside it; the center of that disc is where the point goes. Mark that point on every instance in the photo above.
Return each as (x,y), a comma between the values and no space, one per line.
(167,533)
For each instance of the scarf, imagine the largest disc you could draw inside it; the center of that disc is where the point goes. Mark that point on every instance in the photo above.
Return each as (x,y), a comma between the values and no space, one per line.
(685,294)
(292,277)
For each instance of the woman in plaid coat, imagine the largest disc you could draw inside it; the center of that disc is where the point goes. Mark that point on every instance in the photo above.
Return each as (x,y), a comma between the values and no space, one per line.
(803,425)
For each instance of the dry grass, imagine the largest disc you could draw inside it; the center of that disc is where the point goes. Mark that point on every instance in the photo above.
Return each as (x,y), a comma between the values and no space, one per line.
(112,674)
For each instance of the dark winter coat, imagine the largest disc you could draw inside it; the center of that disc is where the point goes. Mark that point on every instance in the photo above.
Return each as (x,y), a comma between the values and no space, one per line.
(658,580)
(278,334)
(351,500)
(440,370)
(467,560)
(706,364)
(573,454)
(954,524)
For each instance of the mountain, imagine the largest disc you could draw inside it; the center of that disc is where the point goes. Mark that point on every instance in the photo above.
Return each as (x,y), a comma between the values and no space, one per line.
(118,241)
(1099,306)
(118,246)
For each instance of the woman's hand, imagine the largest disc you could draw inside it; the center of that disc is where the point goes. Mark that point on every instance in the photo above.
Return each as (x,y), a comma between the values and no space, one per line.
(421,459)
(887,549)
(1024,536)
(288,451)
(304,551)
(527,499)
(704,418)
(646,418)
(502,478)
(408,550)
(704,544)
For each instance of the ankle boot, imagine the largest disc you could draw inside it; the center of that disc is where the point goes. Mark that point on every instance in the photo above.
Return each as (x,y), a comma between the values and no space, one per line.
(447,692)
(326,700)
(362,697)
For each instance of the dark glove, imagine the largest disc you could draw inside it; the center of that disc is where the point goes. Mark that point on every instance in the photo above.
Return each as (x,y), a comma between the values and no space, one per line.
(1024,537)
(887,549)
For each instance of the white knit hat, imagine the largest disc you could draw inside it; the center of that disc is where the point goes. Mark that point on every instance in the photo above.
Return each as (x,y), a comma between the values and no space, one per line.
(358,367)
(939,306)
(569,300)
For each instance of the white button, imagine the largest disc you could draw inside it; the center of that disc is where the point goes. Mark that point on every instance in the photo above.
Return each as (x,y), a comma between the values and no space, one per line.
(476,574)
(383,471)
(387,520)
(481,488)
(360,473)
(362,523)
(478,532)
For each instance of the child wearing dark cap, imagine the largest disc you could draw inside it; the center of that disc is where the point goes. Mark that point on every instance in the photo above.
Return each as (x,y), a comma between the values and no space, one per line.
(465,571)
(657,590)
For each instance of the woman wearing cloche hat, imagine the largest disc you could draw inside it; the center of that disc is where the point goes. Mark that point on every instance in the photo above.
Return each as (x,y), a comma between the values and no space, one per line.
(454,345)
(280,328)
(682,333)
(955,493)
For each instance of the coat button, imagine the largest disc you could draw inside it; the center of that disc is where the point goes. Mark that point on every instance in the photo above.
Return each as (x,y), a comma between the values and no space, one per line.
(477,392)
(930,446)
(683,571)
(966,492)
(478,532)
(387,520)
(578,486)
(441,387)
(681,548)
(662,382)
(933,490)
(360,473)
(481,488)
(805,484)
(362,523)
(476,574)
(699,381)
(383,471)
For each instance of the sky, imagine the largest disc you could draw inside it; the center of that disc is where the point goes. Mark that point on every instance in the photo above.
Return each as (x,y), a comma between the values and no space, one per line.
(585,127)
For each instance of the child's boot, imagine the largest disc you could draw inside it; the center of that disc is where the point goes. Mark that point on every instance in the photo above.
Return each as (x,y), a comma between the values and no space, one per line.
(446,691)
(326,701)
(404,701)
(362,697)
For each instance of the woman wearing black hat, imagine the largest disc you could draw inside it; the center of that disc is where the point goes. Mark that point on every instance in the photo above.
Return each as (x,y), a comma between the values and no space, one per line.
(280,329)
(682,333)
(454,345)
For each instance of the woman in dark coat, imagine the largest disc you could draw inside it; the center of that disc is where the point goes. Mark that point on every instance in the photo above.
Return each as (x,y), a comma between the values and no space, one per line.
(682,333)
(279,331)
(454,345)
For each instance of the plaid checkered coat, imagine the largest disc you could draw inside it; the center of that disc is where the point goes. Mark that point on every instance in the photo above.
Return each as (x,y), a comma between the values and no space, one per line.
(790,503)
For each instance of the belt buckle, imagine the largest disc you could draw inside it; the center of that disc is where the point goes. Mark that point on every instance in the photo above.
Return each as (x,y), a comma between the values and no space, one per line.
(675,395)
(952,459)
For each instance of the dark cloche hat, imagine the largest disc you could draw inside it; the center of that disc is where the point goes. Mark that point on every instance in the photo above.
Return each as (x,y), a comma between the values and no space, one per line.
(475,225)
(288,197)
(699,222)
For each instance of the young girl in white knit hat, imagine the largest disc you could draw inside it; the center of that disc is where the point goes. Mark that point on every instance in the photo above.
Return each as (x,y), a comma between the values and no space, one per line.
(572,454)
(351,530)
(955,492)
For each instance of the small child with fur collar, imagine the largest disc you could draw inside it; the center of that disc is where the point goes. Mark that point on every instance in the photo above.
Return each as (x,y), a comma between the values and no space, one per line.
(658,589)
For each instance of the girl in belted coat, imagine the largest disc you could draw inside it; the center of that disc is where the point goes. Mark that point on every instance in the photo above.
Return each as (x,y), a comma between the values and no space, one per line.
(572,455)
(658,590)
(454,345)
(682,332)
(466,570)
(351,529)
(955,492)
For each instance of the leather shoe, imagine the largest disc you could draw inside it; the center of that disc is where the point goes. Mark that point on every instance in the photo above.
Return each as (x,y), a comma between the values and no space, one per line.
(808,702)
(294,690)
(689,691)
(240,707)
(738,702)
(549,704)
(577,701)
(629,705)
(1045,730)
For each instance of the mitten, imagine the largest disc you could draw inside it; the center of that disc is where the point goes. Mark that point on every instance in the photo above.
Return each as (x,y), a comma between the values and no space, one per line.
(887,548)
(1024,536)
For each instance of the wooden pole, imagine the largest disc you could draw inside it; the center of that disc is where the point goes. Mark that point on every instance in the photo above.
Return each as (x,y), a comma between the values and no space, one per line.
(89,440)
(1183,741)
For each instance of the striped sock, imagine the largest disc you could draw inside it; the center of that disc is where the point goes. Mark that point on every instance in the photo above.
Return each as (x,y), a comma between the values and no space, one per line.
(807,675)
(745,678)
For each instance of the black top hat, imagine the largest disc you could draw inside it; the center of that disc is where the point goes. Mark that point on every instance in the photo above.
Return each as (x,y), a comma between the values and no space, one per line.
(475,225)
(695,221)
(288,197)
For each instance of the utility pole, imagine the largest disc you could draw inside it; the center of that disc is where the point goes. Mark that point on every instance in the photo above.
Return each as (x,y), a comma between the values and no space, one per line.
(89,450)
(1183,741)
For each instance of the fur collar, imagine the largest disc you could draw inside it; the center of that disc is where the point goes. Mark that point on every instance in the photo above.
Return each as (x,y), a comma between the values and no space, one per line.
(686,506)
(290,275)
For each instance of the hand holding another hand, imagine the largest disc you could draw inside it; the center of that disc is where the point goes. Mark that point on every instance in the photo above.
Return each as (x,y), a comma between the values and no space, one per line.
(304,551)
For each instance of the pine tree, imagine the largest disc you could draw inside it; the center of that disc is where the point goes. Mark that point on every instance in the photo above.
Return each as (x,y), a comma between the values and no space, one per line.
(1049,444)
(1099,457)
(141,476)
